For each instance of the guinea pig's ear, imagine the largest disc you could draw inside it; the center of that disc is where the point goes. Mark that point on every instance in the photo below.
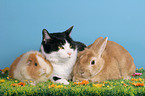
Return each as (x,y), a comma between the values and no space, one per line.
(101,46)
(29,62)
(46,35)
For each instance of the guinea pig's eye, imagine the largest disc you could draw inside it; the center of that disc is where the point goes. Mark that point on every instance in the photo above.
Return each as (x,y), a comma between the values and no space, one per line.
(92,62)
(35,64)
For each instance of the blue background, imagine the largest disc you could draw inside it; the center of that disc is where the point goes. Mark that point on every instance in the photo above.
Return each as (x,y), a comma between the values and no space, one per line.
(21,24)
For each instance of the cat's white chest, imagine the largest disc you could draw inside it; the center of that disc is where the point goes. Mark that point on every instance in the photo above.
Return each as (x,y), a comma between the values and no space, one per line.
(64,69)
(61,66)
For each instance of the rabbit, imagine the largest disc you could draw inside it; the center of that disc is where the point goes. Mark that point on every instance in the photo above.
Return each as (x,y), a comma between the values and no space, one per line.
(31,66)
(103,60)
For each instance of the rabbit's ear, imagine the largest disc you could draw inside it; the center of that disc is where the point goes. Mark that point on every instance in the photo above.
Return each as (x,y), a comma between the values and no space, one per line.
(95,43)
(101,46)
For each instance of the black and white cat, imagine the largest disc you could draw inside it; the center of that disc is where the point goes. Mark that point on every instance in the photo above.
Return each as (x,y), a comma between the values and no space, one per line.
(61,51)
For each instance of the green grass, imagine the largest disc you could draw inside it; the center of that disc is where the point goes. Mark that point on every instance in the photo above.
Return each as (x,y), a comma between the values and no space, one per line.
(113,87)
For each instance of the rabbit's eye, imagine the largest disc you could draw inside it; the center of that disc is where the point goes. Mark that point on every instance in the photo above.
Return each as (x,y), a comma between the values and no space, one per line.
(92,62)
(35,64)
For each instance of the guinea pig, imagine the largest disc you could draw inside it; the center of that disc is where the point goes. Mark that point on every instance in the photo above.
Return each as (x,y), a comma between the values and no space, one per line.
(103,60)
(31,66)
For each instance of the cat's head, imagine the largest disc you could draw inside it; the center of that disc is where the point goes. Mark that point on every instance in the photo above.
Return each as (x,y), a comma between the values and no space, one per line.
(59,45)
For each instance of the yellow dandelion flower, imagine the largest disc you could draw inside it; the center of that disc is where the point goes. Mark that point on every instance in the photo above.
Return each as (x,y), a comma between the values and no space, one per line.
(59,86)
(25,80)
(108,86)
(103,85)
(139,79)
(2,81)
(97,85)
(16,81)
(4,70)
(8,78)
(51,86)
(140,69)
(94,85)
(122,82)
(7,68)
(137,69)
(31,81)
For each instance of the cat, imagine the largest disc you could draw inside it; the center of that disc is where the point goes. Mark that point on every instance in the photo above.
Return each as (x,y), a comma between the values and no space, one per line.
(60,49)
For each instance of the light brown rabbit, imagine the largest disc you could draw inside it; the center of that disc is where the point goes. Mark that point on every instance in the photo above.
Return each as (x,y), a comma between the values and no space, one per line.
(103,60)
(31,66)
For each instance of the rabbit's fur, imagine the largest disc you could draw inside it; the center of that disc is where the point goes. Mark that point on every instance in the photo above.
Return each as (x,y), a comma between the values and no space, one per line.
(103,60)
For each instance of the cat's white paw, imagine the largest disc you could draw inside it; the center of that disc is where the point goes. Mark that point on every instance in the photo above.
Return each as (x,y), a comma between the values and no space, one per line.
(62,81)
(58,79)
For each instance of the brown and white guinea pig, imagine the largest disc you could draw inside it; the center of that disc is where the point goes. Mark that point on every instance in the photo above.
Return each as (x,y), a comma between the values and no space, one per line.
(103,60)
(31,66)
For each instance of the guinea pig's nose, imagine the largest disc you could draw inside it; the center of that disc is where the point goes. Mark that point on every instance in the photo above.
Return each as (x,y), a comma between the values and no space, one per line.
(44,69)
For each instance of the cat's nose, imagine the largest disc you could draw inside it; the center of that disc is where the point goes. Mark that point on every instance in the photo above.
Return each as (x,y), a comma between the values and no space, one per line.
(69,53)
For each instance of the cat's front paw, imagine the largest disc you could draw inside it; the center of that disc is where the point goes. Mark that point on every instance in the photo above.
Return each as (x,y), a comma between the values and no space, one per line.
(58,79)
(63,81)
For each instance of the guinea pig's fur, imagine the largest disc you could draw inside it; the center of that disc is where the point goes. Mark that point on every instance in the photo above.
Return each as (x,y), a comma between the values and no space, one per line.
(31,66)
(103,60)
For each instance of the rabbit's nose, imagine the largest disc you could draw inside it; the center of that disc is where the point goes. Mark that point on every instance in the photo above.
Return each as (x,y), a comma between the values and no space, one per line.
(82,73)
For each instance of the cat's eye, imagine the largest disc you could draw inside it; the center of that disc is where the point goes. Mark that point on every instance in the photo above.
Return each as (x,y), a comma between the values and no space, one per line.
(61,47)
(36,64)
(92,62)
(70,46)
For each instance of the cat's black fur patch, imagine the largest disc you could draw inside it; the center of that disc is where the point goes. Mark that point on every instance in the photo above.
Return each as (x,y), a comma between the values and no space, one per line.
(58,39)
(56,78)
(80,46)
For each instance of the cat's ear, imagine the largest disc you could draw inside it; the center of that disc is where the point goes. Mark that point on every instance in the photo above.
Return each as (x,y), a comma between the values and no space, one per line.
(68,31)
(45,34)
